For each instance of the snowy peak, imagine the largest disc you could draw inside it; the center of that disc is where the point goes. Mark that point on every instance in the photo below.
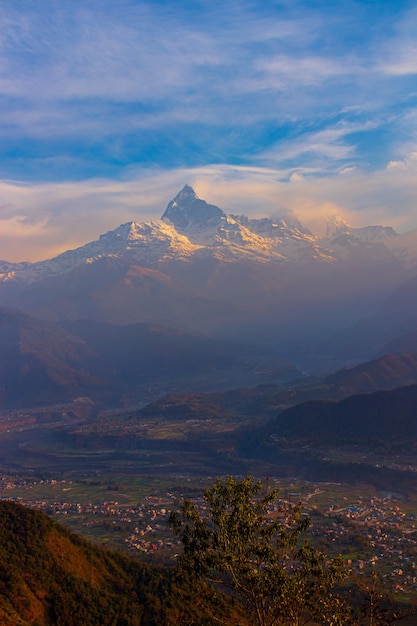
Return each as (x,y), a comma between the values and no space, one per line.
(147,242)
(190,215)
(186,196)
(191,230)
(206,224)
(277,229)
(335,225)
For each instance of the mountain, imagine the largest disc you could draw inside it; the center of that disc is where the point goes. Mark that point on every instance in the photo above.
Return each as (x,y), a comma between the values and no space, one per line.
(201,269)
(362,439)
(43,362)
(384,418)
(192,228)
(226,236)
(387,372)
(263,402)
(318,428)
(392,329)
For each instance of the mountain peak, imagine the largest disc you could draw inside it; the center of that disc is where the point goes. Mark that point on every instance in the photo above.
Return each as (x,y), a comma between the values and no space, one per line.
(187,194)
(335,225)
(187,212)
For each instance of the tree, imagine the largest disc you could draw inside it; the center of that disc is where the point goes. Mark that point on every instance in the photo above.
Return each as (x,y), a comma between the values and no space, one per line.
(378,608)
(241,542)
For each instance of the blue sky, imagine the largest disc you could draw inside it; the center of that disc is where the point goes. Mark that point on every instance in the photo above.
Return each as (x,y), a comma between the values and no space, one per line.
(107,109)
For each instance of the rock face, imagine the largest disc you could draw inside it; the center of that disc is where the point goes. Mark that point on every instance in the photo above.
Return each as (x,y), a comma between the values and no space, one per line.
(186,212)
(201,269)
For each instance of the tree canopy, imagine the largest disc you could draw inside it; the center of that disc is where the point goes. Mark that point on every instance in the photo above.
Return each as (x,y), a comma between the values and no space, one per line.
(243,541)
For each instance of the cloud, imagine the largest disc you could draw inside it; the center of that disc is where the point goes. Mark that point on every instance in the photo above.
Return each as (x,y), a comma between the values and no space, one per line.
(93,50)
(108,109)
(398,53)
(62,62)
(40,220)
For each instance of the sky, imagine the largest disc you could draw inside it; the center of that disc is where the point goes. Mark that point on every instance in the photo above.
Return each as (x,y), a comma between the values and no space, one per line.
(264,107)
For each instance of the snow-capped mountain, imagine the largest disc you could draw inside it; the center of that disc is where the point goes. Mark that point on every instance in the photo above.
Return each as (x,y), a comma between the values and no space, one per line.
(202,269)
(341,237)
(191,229)
(148,243)
(227,236)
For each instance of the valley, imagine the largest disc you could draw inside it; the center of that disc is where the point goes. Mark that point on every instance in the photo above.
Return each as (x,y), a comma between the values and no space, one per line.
(368,527)
(138,368)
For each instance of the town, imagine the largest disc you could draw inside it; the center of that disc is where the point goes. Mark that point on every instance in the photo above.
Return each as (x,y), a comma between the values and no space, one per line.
(372,532)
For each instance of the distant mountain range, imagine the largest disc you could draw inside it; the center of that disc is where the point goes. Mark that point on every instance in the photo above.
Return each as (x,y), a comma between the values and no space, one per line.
(191,229)
(264,402)
(200,269)
(364,438)
(335,428)
(44,362)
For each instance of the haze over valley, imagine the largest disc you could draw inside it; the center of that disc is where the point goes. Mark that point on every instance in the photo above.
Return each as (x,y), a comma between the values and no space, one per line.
(208,276)
(104,344)
(261,281)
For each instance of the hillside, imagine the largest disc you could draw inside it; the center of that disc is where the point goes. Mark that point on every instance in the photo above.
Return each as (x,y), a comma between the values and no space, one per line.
(51,577)
(194,432)
(43,362)
(382,418)
(364,438)
(265,401)
(387,372)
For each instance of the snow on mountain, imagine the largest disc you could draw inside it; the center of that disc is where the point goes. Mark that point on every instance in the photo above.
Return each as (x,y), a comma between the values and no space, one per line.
(343,241)
(191,228)
(404,247)
(338,229)
(8,270)
(147,243)
(229,237)
(334,225)
(194,217)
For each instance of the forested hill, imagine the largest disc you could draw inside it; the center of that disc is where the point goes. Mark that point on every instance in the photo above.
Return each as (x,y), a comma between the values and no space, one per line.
(383,416)
(49,576)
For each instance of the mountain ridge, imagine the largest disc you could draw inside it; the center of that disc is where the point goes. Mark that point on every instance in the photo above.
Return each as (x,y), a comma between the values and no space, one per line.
(190,226)
(44,362)
(200,269)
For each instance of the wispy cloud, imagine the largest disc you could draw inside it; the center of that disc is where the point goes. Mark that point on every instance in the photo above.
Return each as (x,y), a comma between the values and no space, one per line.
(398,52)
(44,219)
(269,101)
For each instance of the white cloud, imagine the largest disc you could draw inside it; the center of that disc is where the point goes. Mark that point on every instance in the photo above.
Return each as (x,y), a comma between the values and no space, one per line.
(81,77)
(347,170)
(397,54)
(38,221)
(395,164)
(330,144)
(306,70)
